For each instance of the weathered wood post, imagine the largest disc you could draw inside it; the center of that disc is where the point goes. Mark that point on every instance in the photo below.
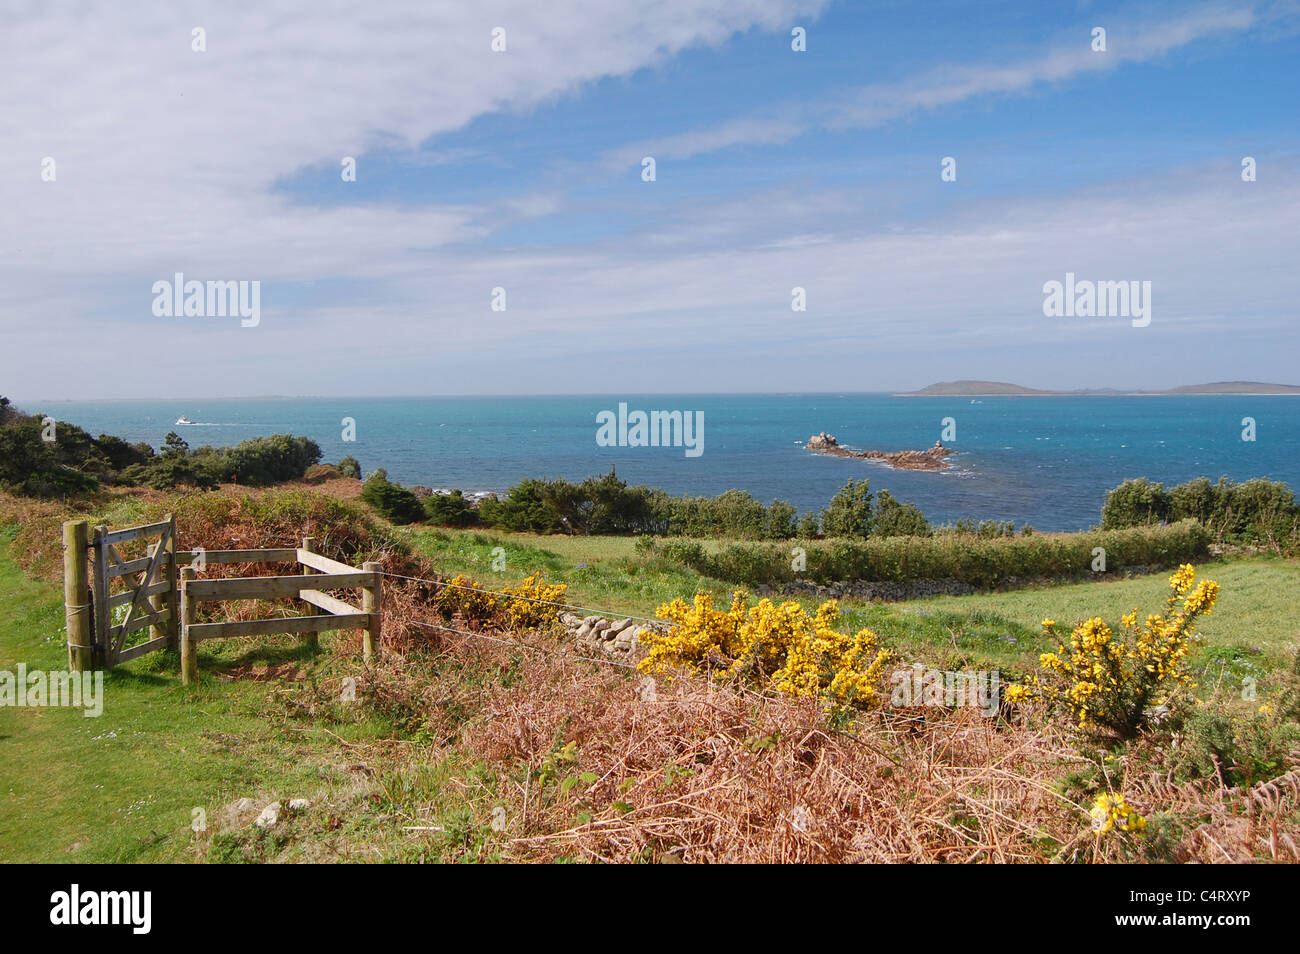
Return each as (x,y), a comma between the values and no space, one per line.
(189,650)
(372,602)
(173,600)
(99,585)
(76,595)
(309,639)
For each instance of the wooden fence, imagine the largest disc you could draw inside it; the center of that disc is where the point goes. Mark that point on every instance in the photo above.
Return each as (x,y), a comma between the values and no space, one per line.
(165,601)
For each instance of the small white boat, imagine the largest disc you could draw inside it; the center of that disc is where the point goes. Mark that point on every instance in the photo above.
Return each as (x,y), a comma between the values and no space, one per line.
(183,420)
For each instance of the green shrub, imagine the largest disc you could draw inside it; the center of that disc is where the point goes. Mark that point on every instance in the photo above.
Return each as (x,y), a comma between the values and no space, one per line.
(391,500)
(449,510)
(1241,748)
(897,519)
(33,466)
(1258,512)
(525,507)
(1135,503)
(349,467)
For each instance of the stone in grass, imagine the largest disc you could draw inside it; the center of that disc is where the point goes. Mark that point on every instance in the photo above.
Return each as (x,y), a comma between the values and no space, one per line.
(270,816)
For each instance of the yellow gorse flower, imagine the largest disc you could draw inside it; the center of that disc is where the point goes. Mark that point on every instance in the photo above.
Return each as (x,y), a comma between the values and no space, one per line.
(1107,680)
(779,646)
(533,602)
(1110,812)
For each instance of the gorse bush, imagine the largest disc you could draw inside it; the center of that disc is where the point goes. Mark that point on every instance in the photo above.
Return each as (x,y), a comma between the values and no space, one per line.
(530,604)
(533,604)
(1240,748)
(777,647)
(979,561)
(1109,681)
(1112,812)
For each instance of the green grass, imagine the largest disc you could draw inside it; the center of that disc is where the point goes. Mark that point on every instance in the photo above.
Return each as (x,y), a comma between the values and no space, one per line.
(606,574)
(1254,627)
(122,787)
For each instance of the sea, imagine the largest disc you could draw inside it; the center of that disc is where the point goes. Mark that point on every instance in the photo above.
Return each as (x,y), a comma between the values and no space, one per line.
(1042,461)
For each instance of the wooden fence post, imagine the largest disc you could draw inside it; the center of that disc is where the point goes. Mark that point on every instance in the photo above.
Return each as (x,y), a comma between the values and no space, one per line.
(372,602)
(189,649)
(76,595)
(309,639)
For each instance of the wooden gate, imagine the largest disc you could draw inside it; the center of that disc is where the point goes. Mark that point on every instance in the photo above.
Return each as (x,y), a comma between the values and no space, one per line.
(150,595)
(153,599)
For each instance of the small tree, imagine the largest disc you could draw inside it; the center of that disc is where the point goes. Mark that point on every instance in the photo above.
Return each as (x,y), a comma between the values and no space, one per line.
(1135,503)
(391,500)
(449,510)
(897,519)
(349,467)
(849,513)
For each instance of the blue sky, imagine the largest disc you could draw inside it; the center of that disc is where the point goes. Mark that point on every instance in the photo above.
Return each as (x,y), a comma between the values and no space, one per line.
(522,170)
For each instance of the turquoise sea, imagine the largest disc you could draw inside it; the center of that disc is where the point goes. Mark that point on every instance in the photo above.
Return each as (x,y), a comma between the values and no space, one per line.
(1046,461)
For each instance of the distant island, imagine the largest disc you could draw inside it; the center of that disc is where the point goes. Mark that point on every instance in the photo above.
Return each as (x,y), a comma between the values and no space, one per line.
(1002,389)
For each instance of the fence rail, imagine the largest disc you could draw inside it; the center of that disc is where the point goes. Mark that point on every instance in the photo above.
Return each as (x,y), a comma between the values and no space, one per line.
(166,601)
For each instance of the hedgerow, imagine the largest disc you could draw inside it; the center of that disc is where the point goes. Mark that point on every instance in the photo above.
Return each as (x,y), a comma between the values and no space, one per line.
(981,562)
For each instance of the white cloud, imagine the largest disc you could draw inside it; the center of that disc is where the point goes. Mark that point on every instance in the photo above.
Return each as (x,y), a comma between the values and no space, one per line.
(169,160)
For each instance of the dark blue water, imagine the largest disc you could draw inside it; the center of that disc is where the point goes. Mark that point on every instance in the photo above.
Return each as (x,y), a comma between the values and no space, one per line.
(1044,461)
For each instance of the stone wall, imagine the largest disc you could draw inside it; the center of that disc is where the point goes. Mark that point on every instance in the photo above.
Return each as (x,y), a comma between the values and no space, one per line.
(617,639)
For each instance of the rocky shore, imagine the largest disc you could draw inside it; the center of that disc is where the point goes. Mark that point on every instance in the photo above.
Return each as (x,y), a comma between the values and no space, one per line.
(472,497)
(931,459)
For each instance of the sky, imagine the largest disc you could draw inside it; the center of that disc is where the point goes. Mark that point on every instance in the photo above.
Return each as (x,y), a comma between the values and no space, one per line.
(130,156)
